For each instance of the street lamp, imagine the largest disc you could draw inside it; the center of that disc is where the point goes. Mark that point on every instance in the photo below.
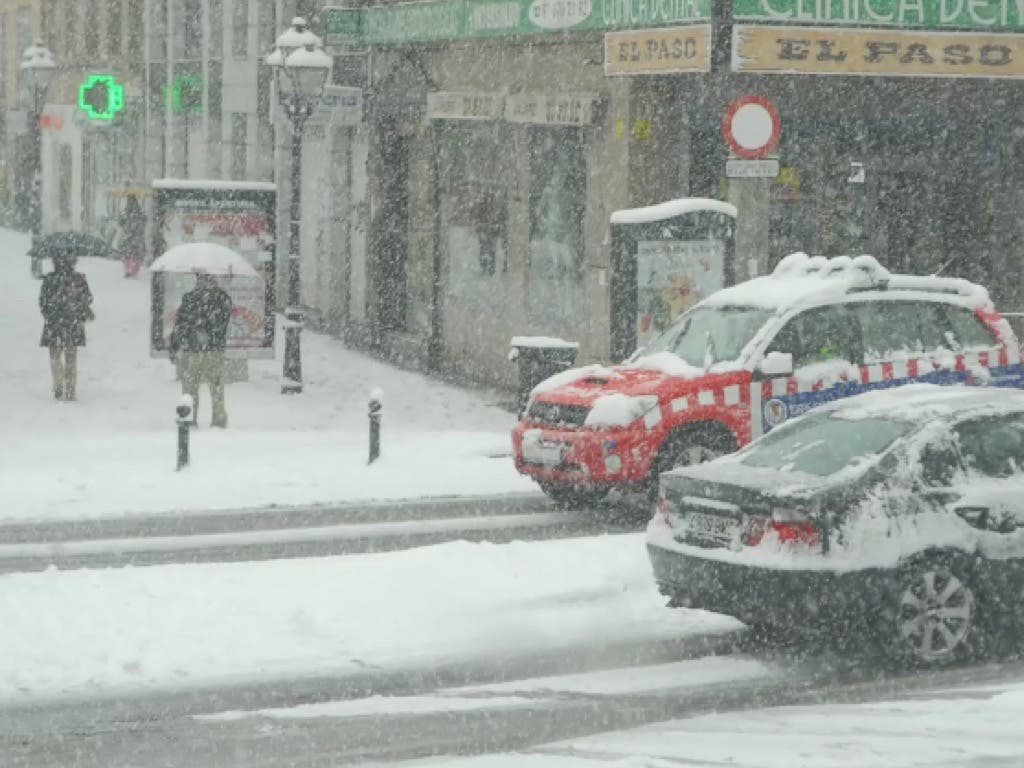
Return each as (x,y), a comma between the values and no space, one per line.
(300,70)
(37,69)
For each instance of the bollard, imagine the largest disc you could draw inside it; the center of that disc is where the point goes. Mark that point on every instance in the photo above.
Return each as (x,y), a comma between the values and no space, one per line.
(376,403)
(184,418)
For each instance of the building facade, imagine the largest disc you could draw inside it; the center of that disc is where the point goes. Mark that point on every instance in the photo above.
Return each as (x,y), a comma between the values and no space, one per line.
(20,24)
(502,136)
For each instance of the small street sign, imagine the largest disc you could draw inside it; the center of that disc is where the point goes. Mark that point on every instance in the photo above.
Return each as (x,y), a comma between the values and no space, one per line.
(752,169)
(751,126)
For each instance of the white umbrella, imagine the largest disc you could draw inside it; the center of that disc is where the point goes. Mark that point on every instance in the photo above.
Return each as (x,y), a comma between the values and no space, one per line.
(209,258)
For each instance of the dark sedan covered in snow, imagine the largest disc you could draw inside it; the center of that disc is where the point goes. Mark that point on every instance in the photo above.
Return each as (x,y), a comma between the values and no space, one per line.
(896,516)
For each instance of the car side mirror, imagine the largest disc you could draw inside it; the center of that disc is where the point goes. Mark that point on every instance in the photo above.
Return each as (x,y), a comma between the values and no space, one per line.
(777,364)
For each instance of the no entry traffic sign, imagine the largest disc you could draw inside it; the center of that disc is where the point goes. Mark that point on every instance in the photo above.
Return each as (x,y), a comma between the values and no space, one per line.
(751,126)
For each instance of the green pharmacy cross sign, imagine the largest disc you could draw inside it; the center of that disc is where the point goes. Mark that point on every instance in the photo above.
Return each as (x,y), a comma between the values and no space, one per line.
(101,97)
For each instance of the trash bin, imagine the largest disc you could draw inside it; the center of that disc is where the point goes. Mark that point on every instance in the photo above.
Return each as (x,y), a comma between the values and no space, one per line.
(538,358)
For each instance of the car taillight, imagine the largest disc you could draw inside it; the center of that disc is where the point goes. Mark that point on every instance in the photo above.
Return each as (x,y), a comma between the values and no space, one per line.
(789,526)
(793,526)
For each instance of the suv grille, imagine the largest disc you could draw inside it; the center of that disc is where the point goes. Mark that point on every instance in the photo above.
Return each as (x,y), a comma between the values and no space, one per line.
(557,414)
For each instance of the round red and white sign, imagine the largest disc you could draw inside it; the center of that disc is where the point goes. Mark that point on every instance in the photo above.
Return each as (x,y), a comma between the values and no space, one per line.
(751,126)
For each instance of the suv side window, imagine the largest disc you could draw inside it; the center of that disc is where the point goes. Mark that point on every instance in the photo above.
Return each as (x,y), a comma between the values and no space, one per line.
(892,329)
(993,447)
(965,330)
(819,335)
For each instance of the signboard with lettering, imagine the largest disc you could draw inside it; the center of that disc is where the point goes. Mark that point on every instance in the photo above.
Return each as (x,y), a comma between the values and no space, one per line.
(464,105)
(434,20)
(657,51)
(339,105)
(905,53)
(550,109)
(933,14)
(736,168)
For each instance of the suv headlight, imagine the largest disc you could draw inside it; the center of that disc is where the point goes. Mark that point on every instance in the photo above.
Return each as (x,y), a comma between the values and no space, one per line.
(617,410)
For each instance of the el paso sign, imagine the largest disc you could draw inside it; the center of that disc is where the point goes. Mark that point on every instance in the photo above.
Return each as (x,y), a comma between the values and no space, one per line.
(834,51)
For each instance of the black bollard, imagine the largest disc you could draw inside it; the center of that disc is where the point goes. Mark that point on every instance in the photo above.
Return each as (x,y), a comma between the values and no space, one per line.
(376,403)
(184,418)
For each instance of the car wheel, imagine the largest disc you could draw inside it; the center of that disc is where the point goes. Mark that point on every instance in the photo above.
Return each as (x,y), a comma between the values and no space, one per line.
(933,615)
(687,446)
(572,496)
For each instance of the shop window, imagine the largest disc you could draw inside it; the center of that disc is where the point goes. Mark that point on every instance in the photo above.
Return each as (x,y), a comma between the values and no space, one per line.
(3,67)
(239,138)
(240,28)
(65,166)
(556,288)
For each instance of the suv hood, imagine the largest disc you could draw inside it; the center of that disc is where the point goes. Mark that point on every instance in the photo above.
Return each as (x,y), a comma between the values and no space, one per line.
(593,383)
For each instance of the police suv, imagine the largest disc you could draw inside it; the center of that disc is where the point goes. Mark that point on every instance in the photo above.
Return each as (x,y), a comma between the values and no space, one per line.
(751,357)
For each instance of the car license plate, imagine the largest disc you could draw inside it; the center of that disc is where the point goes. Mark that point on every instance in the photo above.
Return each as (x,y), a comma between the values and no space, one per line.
(540,452)
(711,526)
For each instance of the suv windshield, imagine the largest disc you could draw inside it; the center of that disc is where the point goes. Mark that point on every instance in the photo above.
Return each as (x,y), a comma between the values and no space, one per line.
(823,444)
(731,329)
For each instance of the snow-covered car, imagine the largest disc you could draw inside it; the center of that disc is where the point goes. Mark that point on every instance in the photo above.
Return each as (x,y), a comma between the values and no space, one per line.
(750,357)
(894,516)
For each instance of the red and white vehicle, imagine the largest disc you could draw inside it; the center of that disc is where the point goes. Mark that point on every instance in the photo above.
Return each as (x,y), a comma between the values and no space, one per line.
(749,358)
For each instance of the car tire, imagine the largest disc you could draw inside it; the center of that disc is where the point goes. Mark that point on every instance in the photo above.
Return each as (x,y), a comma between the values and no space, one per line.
(572,496)
(689,445)
(933,614)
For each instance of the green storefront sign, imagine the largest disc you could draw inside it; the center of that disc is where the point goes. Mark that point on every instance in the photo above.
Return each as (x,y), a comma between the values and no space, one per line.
(929,14)
(468,19)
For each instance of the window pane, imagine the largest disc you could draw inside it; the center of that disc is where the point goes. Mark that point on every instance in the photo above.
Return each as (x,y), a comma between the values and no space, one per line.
(894,330)
(820,335)
(993,447)
(966,331)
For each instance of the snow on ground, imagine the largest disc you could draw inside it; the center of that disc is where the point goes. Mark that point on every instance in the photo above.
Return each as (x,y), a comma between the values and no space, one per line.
(89,632)
(113,451)
(965,727)
(675,676)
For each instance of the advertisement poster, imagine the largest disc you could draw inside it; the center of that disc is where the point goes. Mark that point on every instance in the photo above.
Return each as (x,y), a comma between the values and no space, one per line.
(239,217)
(672,276)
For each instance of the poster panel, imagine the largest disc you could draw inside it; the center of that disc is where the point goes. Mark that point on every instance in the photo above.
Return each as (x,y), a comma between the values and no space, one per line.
(672,276)
(240,217)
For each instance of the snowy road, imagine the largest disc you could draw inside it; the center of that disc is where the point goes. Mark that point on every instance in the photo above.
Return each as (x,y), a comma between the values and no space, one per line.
(289,532)
(528,706)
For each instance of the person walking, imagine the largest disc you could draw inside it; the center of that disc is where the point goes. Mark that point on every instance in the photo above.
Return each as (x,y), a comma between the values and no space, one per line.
(133,237)
(200,338)
(66,304)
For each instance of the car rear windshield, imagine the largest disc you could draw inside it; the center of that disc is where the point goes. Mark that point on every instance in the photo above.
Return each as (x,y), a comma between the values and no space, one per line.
(823,444)
(710,334)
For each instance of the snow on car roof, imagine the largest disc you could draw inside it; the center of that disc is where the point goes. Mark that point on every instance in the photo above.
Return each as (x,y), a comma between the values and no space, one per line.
(918,402)
(652,213)
(800,279)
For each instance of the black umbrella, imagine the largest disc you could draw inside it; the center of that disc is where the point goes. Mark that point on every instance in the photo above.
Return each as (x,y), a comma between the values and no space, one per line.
(71,244)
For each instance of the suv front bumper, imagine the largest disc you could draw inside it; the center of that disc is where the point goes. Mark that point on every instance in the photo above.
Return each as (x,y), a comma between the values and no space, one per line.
(584,456)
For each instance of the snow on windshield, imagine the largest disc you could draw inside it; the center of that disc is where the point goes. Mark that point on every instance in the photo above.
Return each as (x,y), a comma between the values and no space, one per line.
(708,335)
(822,444)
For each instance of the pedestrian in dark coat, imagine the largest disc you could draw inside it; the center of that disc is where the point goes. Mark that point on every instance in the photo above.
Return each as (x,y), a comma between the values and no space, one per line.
(200,338)
(133,237)
(66,304)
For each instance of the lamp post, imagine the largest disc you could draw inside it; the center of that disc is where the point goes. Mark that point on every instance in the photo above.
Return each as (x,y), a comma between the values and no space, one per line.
(301,68)
(37,69)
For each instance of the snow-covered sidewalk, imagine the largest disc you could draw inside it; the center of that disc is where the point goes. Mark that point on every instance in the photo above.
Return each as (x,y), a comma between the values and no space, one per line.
(957,728)
(112,452)
(92,632)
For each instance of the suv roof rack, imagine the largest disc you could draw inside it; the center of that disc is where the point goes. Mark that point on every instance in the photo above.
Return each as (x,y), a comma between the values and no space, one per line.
(864,273)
